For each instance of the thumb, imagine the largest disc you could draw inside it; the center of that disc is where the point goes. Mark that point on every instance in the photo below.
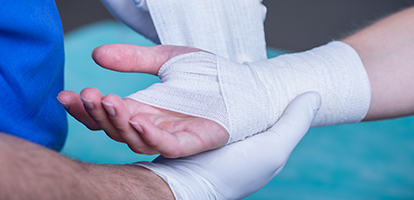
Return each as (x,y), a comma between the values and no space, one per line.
(297,118)
(133,58)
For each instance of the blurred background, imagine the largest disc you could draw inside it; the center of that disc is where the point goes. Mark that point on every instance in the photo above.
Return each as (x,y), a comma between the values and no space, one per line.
(373,160)
(290,24)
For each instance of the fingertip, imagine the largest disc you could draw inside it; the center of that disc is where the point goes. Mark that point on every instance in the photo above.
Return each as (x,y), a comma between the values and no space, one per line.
(137,126)
(90,93)
(141,149)
(63,98)
(118,57)
(153,136)
(112,98)
(76,108)
(133,58)
(98,53)
(104,55)
(141,124)
(300,112)
(305,105)
(91,98)
(314,98)
(67,98)
(65,105)
(110,109)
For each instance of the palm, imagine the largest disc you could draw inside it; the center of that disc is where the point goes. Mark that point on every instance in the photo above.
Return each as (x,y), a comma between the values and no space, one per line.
(174,134)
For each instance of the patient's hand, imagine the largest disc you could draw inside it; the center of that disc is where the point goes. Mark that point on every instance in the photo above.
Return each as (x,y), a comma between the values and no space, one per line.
(146,129)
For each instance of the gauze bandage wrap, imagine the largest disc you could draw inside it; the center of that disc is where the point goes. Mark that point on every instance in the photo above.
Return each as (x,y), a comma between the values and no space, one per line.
(232,29)
(249,98)
(138,19)
(334,70)
(189,85)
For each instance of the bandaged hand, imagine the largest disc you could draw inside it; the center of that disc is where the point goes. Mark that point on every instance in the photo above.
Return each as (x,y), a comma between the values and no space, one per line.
(159,131)
(220,102)
(240,169)
(249,98)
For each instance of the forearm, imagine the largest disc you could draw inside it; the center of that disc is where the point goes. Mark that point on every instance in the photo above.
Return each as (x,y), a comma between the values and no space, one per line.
(126,182)
(386,49)
(29,171)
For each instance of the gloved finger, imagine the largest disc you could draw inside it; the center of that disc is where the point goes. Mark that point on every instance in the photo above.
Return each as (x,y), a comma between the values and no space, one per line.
(141,4)
(296,120)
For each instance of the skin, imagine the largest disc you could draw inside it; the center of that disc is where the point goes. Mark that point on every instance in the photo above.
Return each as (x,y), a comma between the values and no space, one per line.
(385,49)
(29,171)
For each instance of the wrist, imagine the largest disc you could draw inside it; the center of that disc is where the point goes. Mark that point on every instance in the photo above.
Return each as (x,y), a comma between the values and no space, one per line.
(333,70)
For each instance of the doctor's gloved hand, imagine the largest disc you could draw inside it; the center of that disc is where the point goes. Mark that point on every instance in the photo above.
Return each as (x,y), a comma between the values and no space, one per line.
(242,168)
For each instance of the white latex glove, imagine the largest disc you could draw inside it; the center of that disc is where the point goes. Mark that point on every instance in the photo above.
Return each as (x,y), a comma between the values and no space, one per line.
(242,168)
(134,15)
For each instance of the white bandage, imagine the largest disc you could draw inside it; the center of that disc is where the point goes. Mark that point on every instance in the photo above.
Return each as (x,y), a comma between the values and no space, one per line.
(249,98)
(232,29)
(138,19)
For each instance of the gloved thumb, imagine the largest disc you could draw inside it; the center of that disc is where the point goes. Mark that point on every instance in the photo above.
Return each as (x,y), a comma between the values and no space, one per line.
(296,120)
(141,4)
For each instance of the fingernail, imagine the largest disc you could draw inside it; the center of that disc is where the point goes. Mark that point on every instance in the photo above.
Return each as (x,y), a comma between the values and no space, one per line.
(87,103)
(137,126)
(109,108)
(65,105)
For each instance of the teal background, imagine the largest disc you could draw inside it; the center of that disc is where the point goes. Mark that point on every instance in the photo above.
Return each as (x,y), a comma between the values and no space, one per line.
(373,160)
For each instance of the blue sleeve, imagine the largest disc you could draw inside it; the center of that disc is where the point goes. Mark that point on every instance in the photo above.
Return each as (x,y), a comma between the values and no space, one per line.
(31,72)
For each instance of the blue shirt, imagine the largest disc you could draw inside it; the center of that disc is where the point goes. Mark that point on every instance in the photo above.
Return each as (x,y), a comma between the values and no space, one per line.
(31,72)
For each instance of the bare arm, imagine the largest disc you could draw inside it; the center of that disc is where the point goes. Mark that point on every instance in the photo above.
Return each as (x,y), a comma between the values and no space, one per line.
(387,51)
(29,171)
